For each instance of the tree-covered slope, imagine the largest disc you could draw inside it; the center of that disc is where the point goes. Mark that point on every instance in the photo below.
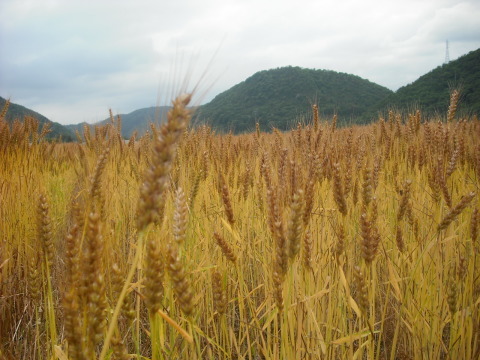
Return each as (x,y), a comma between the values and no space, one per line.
(279,97)
(16,111)
(431,92)
(138,120)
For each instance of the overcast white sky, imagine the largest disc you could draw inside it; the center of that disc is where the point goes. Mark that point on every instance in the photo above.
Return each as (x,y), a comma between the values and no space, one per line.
(72,60)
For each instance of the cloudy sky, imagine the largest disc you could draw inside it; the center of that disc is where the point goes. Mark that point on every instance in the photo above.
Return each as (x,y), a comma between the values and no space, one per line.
(72,60)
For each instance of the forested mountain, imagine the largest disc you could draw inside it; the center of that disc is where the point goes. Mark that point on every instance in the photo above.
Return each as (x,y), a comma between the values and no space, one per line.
(280,97)
(431,92)
(138,120)
(283,96)
(16,111)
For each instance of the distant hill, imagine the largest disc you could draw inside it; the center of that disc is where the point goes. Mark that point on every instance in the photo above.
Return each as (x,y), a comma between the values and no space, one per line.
(16,111)
(281,96)
(138,120)
(431,92)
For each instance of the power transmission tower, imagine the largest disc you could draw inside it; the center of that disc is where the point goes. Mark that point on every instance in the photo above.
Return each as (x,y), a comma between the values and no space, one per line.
(447,55)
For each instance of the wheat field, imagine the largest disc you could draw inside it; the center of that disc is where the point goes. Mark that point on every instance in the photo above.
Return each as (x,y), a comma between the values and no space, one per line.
(318,243)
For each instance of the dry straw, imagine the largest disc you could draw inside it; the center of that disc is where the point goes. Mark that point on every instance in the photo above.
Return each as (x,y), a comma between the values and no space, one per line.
(227,250)
(295,224)
(361,289)
(154,269)
(180,217)
(455,211)
(338,190)
(44,230)
(181,286)
(452,109)
(150,204)
(219,296)
(111,268)
(227,203)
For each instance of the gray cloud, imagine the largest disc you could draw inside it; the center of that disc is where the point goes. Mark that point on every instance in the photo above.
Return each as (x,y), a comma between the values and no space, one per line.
(73,60)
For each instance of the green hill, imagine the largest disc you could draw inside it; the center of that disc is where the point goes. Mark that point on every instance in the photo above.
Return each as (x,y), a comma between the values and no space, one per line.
(138,120)
(16,111)
(279,97)
(431,92)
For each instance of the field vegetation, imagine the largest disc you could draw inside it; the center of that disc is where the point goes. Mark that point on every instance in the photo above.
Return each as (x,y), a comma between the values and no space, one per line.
(316,243)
